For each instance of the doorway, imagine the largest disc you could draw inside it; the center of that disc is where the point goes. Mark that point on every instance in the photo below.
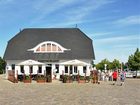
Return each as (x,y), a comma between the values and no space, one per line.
(48,73)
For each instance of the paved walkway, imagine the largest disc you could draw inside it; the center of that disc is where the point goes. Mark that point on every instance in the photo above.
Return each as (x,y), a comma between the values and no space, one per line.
(70,93)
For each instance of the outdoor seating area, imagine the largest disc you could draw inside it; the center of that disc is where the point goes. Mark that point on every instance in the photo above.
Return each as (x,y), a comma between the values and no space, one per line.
(75,78)
(40,78)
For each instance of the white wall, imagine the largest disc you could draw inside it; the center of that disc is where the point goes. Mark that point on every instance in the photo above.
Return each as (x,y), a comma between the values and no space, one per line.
(35,68)
(43,69)
(53,68)
(80,70)
(26,70)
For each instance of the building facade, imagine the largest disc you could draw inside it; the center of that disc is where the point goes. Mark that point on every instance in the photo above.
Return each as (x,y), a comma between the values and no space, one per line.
(53,51)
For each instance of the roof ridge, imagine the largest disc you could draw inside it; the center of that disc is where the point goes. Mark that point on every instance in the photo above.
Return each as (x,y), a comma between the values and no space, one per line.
(47,28)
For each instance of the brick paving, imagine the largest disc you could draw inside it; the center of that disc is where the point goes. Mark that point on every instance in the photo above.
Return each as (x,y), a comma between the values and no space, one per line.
(57,93)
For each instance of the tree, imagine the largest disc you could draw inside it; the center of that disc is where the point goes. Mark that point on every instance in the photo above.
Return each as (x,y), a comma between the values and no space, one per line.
(2,65)
(134,61)
(101,65)
(110,65)
(116,64)
(125,66)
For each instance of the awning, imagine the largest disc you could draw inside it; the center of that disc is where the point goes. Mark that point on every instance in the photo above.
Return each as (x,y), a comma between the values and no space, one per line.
(75,62)
(30,62)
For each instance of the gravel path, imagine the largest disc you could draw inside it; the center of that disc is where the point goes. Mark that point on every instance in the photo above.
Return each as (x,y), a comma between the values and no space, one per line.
(70,93)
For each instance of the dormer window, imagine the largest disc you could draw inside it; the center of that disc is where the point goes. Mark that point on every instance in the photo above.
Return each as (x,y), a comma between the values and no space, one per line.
(48,47)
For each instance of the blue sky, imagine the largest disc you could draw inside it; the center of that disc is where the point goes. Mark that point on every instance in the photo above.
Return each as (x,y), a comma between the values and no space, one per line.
(113,25)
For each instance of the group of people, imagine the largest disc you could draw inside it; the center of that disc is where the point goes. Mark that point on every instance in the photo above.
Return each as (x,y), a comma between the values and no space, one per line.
(105,76)
(115,76)
(112,76)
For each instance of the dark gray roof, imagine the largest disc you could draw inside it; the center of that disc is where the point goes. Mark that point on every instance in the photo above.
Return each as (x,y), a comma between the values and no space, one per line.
(70,38)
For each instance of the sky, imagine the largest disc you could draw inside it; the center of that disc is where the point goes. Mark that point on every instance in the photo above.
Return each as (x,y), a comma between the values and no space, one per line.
(113,25)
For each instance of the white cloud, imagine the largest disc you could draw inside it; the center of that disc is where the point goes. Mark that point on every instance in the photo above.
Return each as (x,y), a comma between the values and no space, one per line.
(46,7)
(117,47)
(102,33)
(75,13)
(66,23)
(119,38)
(120,53)
(78,13)
(125,46)
(130,20)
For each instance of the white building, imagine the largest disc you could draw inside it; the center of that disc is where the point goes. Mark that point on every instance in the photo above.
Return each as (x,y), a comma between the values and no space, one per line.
(51,51)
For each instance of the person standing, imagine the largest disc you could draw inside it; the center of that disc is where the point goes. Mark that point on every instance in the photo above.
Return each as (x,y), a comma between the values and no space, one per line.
(122,77)
(110,75)
(115,76)
(103,75)
(95,76)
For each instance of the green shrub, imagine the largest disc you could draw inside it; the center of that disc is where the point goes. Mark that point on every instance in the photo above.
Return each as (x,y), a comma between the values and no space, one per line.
(88,78)
(65,78)
(27,77)
(82,78)
(40,77)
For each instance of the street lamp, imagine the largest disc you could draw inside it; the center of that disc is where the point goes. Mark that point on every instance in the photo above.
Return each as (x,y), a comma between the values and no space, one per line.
(105,67)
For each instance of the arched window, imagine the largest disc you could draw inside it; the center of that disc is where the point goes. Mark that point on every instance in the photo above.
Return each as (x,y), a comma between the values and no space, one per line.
(48,47)
(54,47)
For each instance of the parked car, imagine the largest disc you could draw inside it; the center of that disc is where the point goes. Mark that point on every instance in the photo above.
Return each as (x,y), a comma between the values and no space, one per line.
(136,73)
(129,74)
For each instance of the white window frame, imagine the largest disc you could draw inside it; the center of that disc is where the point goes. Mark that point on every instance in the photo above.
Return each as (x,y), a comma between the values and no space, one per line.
(48,42)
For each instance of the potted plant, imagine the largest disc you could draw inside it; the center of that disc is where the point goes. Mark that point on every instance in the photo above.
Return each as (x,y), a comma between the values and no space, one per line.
(27,79)
(65,78)
(70,79)
(88,78)
(81,79)
(40,79)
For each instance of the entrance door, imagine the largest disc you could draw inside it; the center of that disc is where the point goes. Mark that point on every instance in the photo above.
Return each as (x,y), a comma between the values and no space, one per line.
(71,69)
(48,74)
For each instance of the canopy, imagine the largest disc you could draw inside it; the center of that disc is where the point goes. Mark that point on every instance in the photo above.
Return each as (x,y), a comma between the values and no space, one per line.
(30,62)
(75,62)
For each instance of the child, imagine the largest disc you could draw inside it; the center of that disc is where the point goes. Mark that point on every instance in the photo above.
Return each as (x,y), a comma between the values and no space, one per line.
(122,77)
